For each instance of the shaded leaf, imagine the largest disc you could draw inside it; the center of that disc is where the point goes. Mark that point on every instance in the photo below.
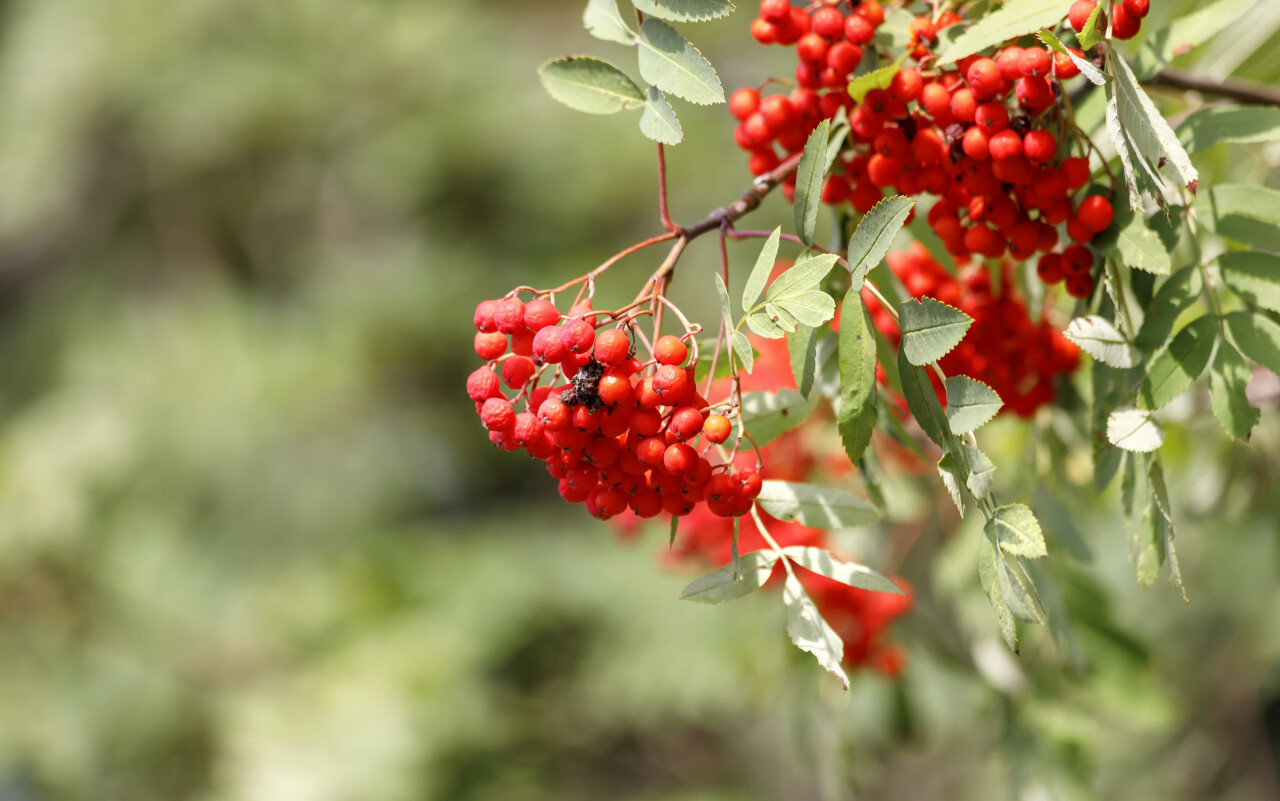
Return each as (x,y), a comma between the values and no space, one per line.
(953,478)
(1253,276)
(1176,368)
(1017,531)
(989,560)
(1148,129)
(802,347)
(875,234)
(1227,382)
(1178,293)
(727,584)
(810,174)
(923,402)
(668,61)
(1246,214)
(1162,46)
(769,414)
(760,272)
(590,85)
(856,417)
(1212,125)
(746,355)
(814,506)
(1135,244)
(1257,337)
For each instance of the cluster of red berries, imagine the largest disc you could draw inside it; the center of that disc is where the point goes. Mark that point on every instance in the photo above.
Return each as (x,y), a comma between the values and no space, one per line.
(1004,348)
(618,433)
(973,135)
(1125,23)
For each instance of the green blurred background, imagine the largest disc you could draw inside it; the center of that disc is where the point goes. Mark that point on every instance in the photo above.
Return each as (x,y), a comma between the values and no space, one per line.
(255,547)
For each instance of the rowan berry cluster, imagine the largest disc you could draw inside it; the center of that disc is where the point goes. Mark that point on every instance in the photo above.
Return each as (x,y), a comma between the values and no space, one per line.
(618,433)
(1005,348)
(979,135)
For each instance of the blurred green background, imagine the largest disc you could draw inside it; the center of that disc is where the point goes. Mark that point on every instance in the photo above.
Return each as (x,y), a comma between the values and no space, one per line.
(255,547)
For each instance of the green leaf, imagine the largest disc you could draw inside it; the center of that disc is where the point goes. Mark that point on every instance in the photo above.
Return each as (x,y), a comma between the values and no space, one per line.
(806,274)
(923,401)
(783,317)
(658,120)
(1178,293)
(856,417)
(1013,19)
(1134,430)
(1211,125)
(1017,531)
(668,61)
(685,10)
(1227,381)
(760,272)
(1135,244)
(970,404)
(816,507)
(875,234)
(602,20)
(1092,32)
(953,477)
(812,308)
(1098,338)
(590,85)
(930,329)
(1253,276)
(810,633)
(770,414)
(1136,181)
(825,563)
(1014,590)
(809,180)
(1148,129)
(726,310)
(727,584)
(1246,214)
(835,143)
(1257,337)
(1146,547)
(746,355)
(981,471)
(802,346)
(877,79)
(1174,370)
(1162,46)
(1160,494)
(762,324)
(989,564)
(1092,73)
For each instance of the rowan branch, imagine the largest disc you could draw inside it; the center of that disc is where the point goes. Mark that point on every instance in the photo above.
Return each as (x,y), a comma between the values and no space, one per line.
(1233,88)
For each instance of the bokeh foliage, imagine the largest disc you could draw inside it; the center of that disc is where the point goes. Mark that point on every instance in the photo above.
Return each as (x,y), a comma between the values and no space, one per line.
(254,546)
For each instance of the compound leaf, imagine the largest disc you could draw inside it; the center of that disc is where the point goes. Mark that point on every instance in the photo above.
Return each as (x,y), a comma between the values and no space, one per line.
(856,417)
(970,404)
(760,272)
(668,61)
(1257,337)
(602,20)
(1211,125)
(767,415)
(923,402)
(1253,276)
(590,85)
(1017,531)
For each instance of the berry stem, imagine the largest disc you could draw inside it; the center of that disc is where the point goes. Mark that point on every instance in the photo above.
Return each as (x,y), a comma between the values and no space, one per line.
(663,214)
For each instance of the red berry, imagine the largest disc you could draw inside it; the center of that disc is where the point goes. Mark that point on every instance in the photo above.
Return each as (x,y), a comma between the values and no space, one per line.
(1063,67)
(1124,26)
(984,77)
(858,30)
(976,143)
(744,102)
(484,316)
(577,336)
(964,105)
(992,117)
(1034,94)
(716,428)
(935,99)
(1035,62)
(1010,62)
(614,389)
(490,346)
(497,414)
(680,460)
(906,83)
(686,422)
(670,349)
(1049,268)
(482,385)
(844,57)
(1136,8)
(872,10)
(775,10)
(1039,146)
(749,484)
(1081,286)
(812,48)
(1077,260)
(553,414)
(517,371)
(611,346)
(1079,13)
(827,22)
(1075,171)
(670,383)
(1006,145)
(1095,213)
(763,31)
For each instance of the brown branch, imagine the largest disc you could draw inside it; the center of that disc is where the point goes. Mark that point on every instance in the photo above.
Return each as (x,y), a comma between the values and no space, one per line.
(1233,88)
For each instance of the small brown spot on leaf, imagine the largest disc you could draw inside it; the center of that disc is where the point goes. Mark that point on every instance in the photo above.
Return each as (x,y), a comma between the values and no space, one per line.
(1194,187)
(1163,161)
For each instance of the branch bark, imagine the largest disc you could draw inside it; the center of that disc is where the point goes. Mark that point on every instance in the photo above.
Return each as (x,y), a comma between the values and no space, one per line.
(1233,88)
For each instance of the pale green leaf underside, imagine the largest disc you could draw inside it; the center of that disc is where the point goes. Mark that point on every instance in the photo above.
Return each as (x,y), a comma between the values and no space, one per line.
(1017,531)
(970,404)
(1240,124)
(814,506)
(752,572)
(804,275)
(1134,430)
(1099,338)
(770,414)
(590,85)
(658,120)
(810,633)
(602,20)
(824,563)
(760,272)
(742,348)
(685,10)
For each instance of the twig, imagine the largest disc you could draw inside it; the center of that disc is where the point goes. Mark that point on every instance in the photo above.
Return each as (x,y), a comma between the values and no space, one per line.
(1233,88)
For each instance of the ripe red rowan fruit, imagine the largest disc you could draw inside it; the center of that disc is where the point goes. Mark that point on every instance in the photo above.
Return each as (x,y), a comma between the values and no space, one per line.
(1095,213)
(744,102)
(490,346)
(517,371)
(484,316)
(508,316)
(612,346)
(578,336)
(670,349)
(1079,13)
(497,414)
